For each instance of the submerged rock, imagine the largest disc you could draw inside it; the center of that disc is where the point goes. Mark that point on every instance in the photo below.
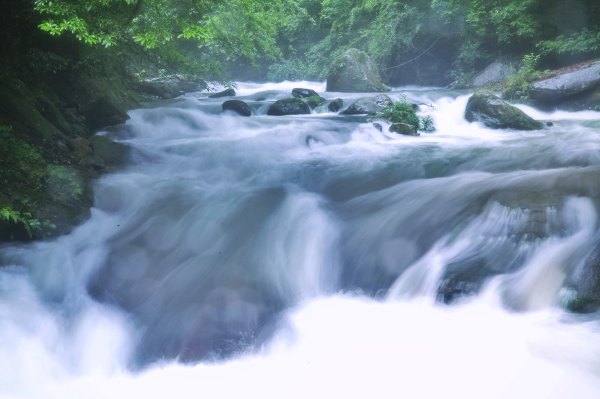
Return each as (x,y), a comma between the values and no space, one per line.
(237,106)
(585,295)
(335,105)
(563,86)
(289,106)
(354,71)
(229,92)
(403,128)
(495,113)
(368,105)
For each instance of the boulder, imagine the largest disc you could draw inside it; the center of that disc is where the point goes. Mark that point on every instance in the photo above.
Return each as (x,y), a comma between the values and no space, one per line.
(566,85)
(170,86)
(496,72)
(403,128)
(354,71)
(314,101)
(304,93)
(378,126)
(237,106)
(289,106)
(335,105)
(498,114)
(229,92)
(368,105)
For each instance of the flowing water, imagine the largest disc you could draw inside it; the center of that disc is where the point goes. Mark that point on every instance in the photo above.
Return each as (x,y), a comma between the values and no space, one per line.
(314,256)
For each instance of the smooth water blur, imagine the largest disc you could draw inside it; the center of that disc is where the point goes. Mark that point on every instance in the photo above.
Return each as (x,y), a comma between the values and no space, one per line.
(316,256)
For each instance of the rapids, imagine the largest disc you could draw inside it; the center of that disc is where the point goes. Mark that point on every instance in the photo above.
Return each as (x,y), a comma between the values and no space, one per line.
(314,256)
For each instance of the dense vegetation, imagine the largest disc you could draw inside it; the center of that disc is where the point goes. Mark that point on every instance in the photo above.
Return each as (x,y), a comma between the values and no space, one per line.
(436,41)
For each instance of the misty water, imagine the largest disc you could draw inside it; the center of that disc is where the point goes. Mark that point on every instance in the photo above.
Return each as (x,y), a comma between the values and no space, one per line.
(315,256)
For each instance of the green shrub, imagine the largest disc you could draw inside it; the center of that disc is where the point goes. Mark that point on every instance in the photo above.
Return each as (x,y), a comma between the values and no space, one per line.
(404,112)
(519,84)
(401,112)
(31,225)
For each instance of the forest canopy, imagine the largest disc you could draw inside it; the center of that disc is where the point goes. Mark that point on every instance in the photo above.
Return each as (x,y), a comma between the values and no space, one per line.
(427,41)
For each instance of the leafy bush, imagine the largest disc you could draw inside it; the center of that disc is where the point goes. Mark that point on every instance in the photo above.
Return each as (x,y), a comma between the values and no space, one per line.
(401,112)
(519,84)
(31,225)
(404,112)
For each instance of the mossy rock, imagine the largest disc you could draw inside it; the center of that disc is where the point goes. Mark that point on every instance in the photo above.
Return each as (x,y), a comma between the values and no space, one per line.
(496,113)
(289,106)
(354,72)
(404,129)
(314,101)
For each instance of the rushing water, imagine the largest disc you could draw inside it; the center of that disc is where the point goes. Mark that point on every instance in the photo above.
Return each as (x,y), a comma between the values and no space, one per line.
(314,256)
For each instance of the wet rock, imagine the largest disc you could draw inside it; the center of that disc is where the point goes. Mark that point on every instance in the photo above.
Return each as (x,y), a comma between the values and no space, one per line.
(229,92)
(289,106)
(304,93)
(585,284)
(378,126)
(496,72)
(170,86)
(404,129)
(111,154)
(354,71)
(314,101)
(565,85)
(104,112)
(237,106)
(368,105)
(498,114)
(335,105)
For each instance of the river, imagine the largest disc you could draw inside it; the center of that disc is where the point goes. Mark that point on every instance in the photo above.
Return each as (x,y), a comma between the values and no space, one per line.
(315,256)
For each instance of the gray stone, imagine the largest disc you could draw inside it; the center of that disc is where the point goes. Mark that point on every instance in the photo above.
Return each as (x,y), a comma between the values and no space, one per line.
(354,72)
(368,105)
(495,113)
(496,72)
(569,84)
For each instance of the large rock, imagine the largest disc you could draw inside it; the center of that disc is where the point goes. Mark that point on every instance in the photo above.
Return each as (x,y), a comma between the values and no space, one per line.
(229,92)
(498,114)
(354,71)
(335,105)
(566,85)
(237,106)
(368,105)
(289,106)
(494,73)
(104,112)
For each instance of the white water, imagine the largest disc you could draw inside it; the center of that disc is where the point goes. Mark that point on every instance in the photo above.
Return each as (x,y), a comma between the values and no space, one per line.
(303,257)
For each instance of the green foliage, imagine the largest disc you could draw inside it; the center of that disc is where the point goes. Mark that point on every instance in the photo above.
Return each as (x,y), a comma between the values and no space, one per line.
(401,112)
(585,41)
(19,162)
(404,112)
(518,85)
(31,225)
(426,124)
